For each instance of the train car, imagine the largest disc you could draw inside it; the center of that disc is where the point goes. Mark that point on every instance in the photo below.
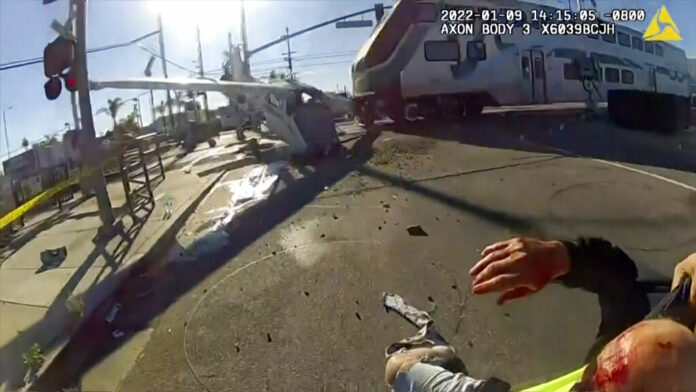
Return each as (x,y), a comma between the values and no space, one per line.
(421,60)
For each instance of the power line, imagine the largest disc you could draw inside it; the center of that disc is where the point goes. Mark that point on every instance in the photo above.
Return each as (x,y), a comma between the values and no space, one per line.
(36,60)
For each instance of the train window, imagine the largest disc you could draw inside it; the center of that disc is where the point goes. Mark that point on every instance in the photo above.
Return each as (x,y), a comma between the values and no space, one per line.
(425,12)
(649,47)
(525,67)
(624,39)
(441,50)
(611,75)
(571,71)
(609,38)
(538,68)
(637,43)
(626,76)
(659,50)
(476,50)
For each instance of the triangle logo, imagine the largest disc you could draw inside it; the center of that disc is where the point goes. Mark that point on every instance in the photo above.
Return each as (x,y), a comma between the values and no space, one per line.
(662,27)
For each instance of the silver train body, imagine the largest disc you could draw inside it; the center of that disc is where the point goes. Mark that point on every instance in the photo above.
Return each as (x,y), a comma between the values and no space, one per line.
(410,67)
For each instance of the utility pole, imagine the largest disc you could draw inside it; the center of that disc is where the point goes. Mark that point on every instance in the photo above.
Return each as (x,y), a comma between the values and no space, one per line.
(200,70)
(245,44)
(90,148)
(7,138)
(76,117)
(163,60)
(289,53)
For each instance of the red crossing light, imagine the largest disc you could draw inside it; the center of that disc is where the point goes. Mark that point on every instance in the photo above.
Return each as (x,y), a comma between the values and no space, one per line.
(52,88)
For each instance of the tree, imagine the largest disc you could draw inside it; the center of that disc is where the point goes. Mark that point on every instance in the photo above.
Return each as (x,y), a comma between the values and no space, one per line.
(25,143)
(113,106)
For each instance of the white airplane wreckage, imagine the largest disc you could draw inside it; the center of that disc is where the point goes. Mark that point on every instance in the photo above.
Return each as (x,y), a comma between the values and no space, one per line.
(301,115)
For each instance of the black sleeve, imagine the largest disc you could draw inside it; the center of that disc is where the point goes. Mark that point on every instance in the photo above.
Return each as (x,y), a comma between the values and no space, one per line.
(598,266)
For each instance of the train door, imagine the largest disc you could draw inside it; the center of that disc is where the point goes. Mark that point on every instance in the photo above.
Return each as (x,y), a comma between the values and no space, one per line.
(534,75)
(652,77)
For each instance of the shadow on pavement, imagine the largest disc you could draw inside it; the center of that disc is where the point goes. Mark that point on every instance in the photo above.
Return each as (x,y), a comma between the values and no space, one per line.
(593,137)
(171,280)
(57,311)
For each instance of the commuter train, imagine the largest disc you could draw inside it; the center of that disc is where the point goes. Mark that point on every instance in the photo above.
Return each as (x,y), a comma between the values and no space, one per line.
(412,66)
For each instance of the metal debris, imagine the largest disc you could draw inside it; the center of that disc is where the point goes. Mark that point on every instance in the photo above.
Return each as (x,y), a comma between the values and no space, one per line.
(416,231)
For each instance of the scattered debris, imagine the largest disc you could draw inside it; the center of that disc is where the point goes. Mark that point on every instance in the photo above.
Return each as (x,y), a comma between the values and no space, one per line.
(454,286)
(506,314)
(268,338)
(357,302)
(236,348)
(431,299)
(169,330)
(379,227)
(322,235)
(394,197)
(358,316)
(335,216)
(306,293)
(386,205)
(52,258)
(273,253)
(117,333)
(470,343)
(416,231)
(111,315)
(437,219)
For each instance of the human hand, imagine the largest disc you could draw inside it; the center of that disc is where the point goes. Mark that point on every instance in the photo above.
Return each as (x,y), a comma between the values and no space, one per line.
(519,267)
(686,267)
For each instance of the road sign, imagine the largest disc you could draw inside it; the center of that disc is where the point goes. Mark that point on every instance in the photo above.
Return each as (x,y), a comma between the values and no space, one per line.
(346,24)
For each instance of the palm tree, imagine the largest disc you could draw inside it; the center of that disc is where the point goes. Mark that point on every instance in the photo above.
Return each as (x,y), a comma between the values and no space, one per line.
(113,106)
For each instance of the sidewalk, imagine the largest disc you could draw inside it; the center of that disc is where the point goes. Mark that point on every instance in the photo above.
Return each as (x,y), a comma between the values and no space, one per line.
(35,301)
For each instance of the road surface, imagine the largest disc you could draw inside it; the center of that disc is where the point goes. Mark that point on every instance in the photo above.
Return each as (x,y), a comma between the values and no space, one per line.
(290,299)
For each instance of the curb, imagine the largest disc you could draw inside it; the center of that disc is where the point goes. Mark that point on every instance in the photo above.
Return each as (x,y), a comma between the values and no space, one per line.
(96,298)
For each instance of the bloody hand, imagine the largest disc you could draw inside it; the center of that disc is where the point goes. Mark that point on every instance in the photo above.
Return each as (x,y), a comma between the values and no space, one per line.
(519,267)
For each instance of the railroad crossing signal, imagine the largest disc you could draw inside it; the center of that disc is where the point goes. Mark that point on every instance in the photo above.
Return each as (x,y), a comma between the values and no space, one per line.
(58,60)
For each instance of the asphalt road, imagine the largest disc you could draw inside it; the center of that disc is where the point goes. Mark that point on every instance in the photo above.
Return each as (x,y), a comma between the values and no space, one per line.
(292,301)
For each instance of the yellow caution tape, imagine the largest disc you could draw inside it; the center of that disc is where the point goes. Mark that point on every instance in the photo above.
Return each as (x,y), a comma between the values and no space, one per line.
(33,202)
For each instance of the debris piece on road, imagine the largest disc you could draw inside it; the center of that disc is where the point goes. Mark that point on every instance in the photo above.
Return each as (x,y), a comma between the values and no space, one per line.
(306,293)
(236,348)
(379,227)
(416,231)
(111,315)
(358,316)
(322,235)
(470,343)
(52,258)
(394,197)
(386,205)
(268,338)
(454,286)
(506,314)
(169,330)
(117,333)
(335,216)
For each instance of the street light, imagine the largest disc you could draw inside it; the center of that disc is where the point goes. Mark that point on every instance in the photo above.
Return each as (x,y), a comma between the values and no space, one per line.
(7,138)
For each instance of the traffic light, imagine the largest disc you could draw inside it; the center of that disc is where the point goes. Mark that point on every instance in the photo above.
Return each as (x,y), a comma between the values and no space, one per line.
(59,57)
(70,80)
(379,11)
(52,88)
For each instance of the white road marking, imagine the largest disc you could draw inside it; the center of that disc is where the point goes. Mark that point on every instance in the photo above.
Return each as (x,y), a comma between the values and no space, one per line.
(619,165)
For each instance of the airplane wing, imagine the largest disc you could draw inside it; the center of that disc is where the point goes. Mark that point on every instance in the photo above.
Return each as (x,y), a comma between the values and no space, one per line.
(227,88)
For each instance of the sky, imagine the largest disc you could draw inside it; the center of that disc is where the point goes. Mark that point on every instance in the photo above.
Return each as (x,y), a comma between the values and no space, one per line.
(323,56)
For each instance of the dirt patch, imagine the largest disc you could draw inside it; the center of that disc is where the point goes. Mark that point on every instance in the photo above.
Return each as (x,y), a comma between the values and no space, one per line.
(393,150)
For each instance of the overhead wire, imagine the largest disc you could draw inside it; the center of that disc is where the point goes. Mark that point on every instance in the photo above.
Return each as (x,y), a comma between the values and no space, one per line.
(36,60)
